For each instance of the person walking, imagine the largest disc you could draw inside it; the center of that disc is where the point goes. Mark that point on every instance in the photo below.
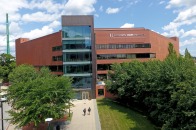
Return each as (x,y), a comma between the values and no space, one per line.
(89,110)
(84,111)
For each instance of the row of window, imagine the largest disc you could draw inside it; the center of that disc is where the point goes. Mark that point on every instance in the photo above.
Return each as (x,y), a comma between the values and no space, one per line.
(122,46)
(76,44)
(57,58)
(78,69)
(85,44)
(57,48)
(125,56)
(56,68)
(104,67)
(77,56)
(74,57)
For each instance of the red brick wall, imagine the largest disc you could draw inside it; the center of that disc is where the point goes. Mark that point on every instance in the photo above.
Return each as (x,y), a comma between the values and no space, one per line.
(159,44)
(100,87)
(38,52)
(106,93)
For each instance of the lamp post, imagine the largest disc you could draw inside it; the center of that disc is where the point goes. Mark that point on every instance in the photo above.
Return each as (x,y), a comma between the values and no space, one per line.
(2,100)
(48,120)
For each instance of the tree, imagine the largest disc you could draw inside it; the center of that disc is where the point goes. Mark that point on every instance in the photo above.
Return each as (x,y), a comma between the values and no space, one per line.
(37,95)
(187,54)
(7,64)
(164,89)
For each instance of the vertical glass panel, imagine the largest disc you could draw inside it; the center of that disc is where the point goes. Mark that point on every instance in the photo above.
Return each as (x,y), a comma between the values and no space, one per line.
(82,82)
(77,69)
(76,56)
(76,32)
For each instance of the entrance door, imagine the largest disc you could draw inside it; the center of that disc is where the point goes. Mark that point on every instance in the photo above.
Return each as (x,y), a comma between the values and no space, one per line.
(85,95)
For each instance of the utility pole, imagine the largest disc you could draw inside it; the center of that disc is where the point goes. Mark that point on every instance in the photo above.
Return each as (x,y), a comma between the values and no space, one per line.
(7,33)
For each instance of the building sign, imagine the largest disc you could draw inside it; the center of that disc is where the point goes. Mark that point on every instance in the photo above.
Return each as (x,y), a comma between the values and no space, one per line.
(126,35)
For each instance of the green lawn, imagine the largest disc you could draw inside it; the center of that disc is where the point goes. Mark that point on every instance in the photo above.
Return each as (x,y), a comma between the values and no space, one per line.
(116,117)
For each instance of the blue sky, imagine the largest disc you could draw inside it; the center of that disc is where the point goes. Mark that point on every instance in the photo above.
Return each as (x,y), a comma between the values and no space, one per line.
(36,18)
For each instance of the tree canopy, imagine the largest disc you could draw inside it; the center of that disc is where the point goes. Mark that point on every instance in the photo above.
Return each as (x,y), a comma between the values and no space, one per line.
(7,64)
(37,95)
(166,90)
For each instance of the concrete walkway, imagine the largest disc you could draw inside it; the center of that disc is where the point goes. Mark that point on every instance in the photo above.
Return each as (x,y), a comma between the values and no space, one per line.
(87,122)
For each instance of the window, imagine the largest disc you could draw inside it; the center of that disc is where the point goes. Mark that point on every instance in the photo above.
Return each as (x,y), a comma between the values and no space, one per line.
(77,69)
(77,56)
(76,31)
(58,68)
(57,48)
(100,92)
(103,66)
(82,82)
(57,58)
(76,44)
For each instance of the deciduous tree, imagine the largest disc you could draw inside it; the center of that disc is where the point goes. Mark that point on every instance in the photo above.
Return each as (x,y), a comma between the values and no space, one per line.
(37,95)
(7,64)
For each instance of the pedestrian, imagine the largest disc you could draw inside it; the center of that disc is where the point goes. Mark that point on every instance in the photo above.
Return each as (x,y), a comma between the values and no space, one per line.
(84,111)
(89,110)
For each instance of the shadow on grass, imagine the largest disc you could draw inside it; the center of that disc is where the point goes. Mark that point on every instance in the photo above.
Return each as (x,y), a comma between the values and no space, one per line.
(114,116)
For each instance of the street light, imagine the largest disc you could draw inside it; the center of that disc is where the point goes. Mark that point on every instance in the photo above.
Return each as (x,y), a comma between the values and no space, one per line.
(2,100)
(48,120)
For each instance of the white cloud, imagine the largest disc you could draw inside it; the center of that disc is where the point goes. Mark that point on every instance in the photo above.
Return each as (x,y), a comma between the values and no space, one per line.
(79,7)
(127,25)
(171,26)
(12,8)
(2,40)
(2,28)
(14,28)
(190,33)
(3,44)
(40,11)
(38,32)
(173,32)
(185,17)
(112,10)
(188,42)
(187,14)
(54,24)
(49,5)
(96,15)
(101,8)
(39,17)
(161,2)
(180,3)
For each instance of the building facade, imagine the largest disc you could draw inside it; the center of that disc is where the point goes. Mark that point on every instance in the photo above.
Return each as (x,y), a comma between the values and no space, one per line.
(117,45)
(85,53)
(78,47)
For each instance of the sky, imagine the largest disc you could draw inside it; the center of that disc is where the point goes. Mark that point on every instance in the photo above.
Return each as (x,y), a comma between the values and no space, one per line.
(36,18)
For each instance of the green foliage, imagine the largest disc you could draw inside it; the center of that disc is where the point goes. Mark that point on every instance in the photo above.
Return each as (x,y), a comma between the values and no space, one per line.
(23,73)
(187,54)
(166,90)
(37,95)
(7,64)
(171,50)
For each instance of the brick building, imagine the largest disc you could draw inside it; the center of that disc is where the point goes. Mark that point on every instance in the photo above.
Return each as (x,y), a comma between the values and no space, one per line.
(85,53)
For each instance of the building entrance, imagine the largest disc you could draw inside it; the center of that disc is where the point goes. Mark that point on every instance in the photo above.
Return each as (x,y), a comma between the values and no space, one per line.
(85,95)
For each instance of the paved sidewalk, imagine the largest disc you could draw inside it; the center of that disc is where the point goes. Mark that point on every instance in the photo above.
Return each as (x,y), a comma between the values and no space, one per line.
(87,122)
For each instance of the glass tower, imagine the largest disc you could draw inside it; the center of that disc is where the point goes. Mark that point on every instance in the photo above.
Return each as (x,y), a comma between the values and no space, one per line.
(77,44)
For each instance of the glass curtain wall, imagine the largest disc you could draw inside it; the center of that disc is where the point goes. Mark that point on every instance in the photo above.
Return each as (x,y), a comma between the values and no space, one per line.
(77,59)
